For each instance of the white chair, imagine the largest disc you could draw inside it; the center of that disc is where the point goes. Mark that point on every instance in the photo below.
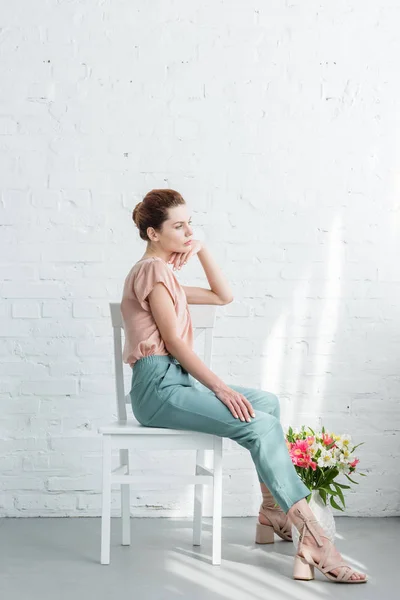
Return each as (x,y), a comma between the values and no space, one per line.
(127,434)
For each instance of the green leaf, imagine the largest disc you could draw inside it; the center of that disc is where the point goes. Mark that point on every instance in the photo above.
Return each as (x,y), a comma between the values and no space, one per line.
(350,479)
(331,474)
(343,486)
(335,505)
(328,490)
(360,444)
(340,493)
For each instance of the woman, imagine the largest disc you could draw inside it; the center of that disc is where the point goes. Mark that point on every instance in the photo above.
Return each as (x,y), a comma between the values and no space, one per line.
(172,387)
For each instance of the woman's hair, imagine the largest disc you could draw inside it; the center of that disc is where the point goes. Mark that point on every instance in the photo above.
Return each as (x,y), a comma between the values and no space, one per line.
(153,210)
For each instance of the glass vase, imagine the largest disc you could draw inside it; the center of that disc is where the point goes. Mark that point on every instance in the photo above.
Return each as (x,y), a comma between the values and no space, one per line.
(324,516)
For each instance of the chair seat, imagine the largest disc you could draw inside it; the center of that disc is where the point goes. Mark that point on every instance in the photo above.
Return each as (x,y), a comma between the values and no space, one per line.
(133,427)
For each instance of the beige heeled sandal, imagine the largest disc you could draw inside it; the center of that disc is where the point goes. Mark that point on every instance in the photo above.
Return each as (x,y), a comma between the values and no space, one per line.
(304,563)
(265,533)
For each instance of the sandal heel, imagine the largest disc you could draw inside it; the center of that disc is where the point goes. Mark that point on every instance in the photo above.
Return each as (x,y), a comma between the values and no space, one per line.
(302,570)
(264,534)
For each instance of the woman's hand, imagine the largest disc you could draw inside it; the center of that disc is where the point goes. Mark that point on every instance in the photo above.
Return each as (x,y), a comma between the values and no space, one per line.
(238,404)
(180,258)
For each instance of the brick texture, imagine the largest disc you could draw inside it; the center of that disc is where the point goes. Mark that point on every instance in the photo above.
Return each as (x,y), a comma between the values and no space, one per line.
(278,122)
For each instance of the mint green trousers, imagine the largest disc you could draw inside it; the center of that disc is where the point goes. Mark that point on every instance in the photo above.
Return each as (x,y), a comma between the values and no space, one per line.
(164,394)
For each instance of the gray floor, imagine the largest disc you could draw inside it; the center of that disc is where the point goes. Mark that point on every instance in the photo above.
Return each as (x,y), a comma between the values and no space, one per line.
(59,559)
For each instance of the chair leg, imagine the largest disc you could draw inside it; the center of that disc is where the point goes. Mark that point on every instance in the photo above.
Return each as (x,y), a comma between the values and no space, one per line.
(198,502)
(106,503)
(125,502)
(217,503)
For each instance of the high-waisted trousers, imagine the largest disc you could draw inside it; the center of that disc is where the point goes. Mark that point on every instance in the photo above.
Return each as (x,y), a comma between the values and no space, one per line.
(164,394)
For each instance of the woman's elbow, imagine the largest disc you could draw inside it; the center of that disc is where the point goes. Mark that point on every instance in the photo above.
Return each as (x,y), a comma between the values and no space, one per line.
(226,300)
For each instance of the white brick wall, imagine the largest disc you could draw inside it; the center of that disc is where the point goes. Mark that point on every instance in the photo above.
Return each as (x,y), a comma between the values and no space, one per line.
(278,122)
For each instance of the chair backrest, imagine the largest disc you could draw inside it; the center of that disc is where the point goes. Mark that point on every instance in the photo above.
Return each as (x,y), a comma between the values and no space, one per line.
(203,320)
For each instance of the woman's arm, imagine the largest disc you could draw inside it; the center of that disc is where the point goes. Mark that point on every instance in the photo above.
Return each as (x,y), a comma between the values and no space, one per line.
(218,283)
(194,365)
(163,311)
(220,292)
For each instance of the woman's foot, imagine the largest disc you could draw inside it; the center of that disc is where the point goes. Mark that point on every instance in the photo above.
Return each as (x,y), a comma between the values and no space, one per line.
(278,521)
(316,550)
(271,515)
(335,557)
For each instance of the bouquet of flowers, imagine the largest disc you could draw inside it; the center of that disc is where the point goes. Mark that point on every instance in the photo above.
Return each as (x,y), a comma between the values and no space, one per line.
(321,457)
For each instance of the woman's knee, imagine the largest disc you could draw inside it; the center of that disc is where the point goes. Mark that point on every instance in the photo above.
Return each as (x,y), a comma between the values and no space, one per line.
(264,427)
(272,401)
(264,423)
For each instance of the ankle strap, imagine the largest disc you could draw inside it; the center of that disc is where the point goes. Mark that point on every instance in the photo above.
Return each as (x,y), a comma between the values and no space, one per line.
(308,524)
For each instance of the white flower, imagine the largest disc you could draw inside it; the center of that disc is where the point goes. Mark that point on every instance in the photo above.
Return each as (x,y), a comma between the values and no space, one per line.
(345,454)
(313,449)
(337,453)
(344,441)
(325,460)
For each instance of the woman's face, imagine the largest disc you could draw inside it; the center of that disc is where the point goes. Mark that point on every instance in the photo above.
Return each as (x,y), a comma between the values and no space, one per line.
(176,230)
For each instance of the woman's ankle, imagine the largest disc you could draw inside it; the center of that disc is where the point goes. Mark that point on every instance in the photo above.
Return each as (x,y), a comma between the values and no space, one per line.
(299,521)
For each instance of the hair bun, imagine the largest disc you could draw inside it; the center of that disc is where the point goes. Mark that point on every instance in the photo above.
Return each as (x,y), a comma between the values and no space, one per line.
(135,214)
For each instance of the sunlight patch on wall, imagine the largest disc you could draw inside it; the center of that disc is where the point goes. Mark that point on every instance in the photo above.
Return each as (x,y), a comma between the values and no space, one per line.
(328,322)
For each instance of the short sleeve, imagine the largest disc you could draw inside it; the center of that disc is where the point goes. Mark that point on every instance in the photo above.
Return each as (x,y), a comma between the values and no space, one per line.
(146,278)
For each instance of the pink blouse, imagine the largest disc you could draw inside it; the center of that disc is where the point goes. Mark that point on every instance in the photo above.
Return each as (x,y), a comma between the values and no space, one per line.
(142,337)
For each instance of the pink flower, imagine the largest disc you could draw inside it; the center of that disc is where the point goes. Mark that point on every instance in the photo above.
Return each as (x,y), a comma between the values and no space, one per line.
(303,460)
(301,445)
(299,452)
(327,439)
(354,463)
(300,456)
(299,461)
